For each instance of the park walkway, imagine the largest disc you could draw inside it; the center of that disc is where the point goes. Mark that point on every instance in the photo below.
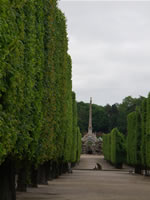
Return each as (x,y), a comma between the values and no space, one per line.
(87,184)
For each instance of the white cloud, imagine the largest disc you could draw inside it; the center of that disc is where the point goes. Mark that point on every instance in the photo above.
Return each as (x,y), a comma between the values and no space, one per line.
(110,47)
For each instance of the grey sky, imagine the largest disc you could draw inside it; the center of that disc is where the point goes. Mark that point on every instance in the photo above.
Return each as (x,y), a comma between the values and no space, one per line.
(109,42)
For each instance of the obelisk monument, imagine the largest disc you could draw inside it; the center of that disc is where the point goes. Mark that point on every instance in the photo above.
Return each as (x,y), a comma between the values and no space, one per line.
(90,118)
(90,143)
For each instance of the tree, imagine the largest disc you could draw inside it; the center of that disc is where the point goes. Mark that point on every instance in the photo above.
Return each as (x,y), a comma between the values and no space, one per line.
(114,147)
(143,132)
(147,146)
(38,123)
(99,117)
(83,116)
(134,140)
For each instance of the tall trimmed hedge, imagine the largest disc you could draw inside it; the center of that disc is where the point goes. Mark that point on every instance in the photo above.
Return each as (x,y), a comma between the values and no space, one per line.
(38,111)
(73,156)
(138,139)
(12,78)
(107,146)
(134,139)
(114,147)
(79,145)
(143,132)
(147,144)
(131,121)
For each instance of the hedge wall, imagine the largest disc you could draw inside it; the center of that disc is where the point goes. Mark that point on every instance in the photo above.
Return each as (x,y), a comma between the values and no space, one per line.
(38,112)
(114,147)
(138,139)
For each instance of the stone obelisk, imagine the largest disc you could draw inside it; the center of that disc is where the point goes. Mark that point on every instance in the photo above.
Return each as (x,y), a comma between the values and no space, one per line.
(90,118)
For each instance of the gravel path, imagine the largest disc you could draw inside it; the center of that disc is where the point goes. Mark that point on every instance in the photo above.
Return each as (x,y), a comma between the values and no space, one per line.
(90,161)
(92,185)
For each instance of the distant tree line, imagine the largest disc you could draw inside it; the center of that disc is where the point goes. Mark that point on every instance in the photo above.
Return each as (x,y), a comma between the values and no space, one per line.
(39,134)
(105,118)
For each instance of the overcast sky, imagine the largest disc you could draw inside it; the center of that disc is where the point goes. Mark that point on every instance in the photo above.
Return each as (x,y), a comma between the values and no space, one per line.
(109,42)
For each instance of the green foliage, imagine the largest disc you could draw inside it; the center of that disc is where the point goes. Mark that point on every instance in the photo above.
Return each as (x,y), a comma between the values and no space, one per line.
(29,66)
(99,117)
(134,138)
(69,117)
(38,112)
(47,146)
(83,115)
(79,145)
(117,147)
(74,130)
(11,75)
(114,147)
(128,105)
(147,143)
(131,138)
(112,114)
(64,87)
(143,132)
(107,146)
(108,117)
(138,139)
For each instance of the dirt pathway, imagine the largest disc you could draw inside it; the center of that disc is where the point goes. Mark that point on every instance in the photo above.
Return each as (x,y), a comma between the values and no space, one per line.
(92,185)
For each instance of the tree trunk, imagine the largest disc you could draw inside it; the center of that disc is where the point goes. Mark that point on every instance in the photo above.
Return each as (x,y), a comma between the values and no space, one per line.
(138,169)
(65,167)
(34,177)
(60,168)
(7,181)
(119,165)
(50,173)
(73,165)
(43,174)
(55,170)
(22,176)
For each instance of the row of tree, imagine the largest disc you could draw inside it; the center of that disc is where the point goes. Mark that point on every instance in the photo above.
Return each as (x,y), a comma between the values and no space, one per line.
(138,139)
(135,148)
(105,118)
(38,110)
(114,147)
